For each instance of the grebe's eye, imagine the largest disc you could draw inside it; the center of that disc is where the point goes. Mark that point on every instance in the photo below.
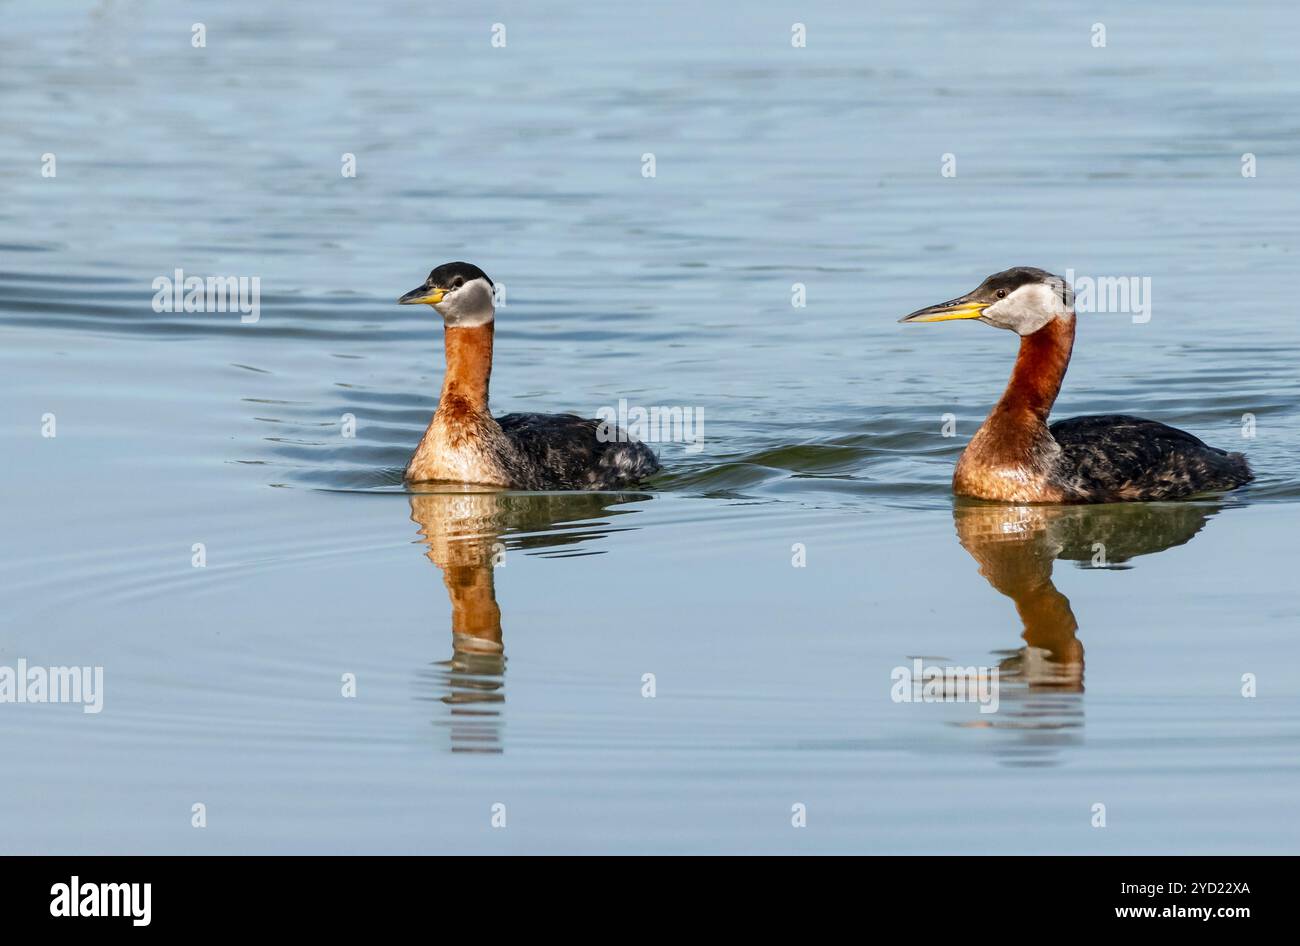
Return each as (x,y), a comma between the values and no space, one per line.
(1002,293)
(456,282)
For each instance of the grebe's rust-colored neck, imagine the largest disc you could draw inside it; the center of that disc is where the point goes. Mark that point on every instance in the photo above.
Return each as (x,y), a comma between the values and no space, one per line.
(1040,368)
(1009,458)
(469,369)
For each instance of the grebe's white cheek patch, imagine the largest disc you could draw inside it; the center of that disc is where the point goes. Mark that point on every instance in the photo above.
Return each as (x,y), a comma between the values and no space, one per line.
(469,306)
(1026,310)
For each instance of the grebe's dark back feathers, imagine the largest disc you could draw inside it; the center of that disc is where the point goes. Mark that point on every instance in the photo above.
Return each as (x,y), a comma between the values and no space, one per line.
(1115,458)
(563,451)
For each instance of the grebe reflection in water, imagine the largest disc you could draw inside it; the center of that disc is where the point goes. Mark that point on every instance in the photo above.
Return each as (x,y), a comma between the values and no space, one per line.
(467,534)
(1016,548)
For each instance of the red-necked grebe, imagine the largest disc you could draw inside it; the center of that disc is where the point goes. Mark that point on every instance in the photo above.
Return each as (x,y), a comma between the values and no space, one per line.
(1016,457)
(465,444)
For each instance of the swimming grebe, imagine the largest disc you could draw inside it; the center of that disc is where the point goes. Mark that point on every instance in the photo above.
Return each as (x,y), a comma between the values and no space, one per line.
(465,444)
(1016,457)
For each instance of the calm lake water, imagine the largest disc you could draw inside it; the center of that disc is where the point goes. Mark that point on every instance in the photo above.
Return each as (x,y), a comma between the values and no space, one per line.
(500,643)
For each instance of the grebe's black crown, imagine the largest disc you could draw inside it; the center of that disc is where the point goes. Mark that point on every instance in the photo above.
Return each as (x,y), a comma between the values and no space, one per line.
(1009,280)
(455,275)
